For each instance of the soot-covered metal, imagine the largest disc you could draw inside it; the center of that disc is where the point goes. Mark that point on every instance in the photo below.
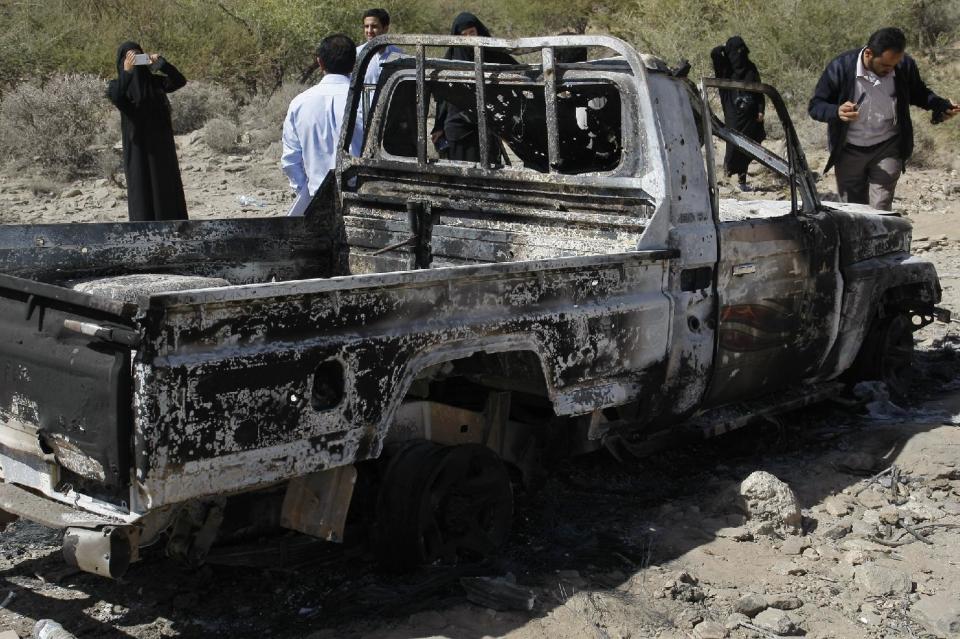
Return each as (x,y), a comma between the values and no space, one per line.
(584,275)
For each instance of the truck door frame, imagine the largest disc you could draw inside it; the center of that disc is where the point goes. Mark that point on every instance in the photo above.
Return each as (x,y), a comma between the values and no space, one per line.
(792,333)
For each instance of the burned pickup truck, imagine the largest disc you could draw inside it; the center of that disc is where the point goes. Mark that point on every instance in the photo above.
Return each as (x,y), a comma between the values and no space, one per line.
(446,322)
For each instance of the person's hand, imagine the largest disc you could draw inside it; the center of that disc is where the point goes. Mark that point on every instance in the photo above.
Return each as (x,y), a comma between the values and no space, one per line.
(436,135)
(154,57)
(952,111)
(128,61)
(848,112)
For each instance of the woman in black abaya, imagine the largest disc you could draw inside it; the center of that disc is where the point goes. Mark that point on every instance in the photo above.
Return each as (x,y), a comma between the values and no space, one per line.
(455,129)
(742,110)
(154,188)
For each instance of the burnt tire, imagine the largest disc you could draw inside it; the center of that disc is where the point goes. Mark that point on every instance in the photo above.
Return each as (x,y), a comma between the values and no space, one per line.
(441,504)
(887,355)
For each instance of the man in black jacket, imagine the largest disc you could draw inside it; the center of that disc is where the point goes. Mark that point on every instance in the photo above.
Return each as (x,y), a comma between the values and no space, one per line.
(864,96)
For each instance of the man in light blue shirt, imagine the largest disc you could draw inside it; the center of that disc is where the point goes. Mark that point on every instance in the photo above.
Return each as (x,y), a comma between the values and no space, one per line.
(311,129)
(376,22)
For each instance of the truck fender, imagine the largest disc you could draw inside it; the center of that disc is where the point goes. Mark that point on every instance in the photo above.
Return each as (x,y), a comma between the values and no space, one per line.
(872,288)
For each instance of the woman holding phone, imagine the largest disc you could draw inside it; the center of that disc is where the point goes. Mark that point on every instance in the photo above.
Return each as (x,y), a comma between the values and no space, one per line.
(154,188)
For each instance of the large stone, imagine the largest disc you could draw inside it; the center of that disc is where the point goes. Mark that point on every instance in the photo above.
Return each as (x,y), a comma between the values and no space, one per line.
(770,503)
(710,630)
(941,612)
(776,621)
(750,604)
(880,580)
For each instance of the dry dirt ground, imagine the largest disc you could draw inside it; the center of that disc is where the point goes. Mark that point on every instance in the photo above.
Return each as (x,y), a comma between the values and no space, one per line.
(651,548)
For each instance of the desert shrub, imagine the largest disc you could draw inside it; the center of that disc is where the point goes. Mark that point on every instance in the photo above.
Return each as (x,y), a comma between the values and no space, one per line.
(43,187)
(221,135)
(195,104)
(267,111)
(260,139)
(54,123)
(925,152)
(263,116)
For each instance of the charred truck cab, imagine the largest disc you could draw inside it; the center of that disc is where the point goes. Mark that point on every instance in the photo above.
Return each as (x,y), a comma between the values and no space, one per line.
(578,284)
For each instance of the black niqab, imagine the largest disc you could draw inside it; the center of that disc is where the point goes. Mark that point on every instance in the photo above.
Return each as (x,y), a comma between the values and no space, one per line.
(738,55)
(140,88)
(741,109)
(464,21)
(154,187)
(458,121)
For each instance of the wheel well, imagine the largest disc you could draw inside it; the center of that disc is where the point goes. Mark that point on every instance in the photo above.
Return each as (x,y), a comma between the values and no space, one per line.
(467,381)
(499,400)
(916,300)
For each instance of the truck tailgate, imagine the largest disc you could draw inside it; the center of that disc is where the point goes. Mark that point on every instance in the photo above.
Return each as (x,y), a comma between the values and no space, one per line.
(65,391)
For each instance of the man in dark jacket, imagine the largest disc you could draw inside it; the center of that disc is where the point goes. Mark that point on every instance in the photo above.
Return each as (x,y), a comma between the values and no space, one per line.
(864,96)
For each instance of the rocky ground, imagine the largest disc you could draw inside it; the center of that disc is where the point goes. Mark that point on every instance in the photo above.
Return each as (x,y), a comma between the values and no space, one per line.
(842,520)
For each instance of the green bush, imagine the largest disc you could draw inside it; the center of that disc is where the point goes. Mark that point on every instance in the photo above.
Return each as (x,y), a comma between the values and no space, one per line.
(255,47)
(54,124)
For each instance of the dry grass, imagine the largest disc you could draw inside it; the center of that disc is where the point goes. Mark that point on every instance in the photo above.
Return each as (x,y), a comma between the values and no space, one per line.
(54,124)
(195,104)
(221,135)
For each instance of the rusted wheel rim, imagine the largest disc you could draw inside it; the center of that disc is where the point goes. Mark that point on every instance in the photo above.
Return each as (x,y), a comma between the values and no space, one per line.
(466,505)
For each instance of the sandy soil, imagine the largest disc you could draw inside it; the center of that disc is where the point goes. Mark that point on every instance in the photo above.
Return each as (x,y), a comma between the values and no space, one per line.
(652,548)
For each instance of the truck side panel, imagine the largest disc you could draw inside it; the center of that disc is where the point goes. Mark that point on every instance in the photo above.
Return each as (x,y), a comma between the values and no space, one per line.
(241,387)
(64,398)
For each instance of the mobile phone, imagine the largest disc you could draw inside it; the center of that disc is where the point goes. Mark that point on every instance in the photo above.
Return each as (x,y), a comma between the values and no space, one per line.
(141,59)
(860,101)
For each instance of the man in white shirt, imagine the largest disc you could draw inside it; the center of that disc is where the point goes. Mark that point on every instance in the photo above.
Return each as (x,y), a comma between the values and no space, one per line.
(376,22)
(311,129)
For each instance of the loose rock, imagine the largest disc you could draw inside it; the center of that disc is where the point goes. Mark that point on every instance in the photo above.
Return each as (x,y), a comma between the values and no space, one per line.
(687,619)
(941,612)
(871,499)
(794,545)
(889,514)
(710,630)
(837,505)
(784,602)
(838,532)
(735,620)
(770,503)
(776,621)
(684,587)
(880,580)
(751,605)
